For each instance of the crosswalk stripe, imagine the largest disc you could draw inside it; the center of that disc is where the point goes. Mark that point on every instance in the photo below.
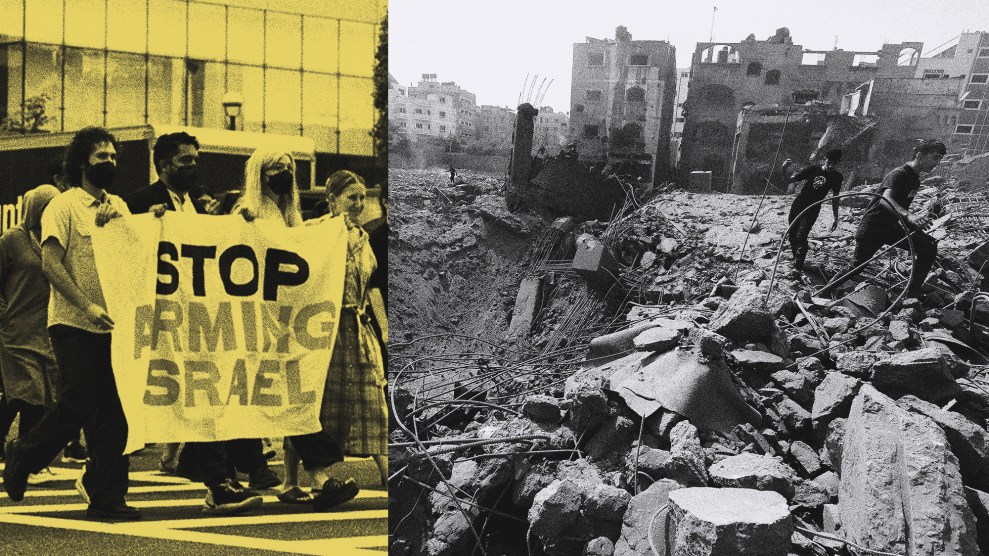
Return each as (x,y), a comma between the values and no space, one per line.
(176,503)
(40,492)
(332,547)
(315,548)
(262,519)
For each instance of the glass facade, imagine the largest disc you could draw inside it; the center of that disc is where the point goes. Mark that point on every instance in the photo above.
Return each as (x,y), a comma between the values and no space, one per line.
(135,62)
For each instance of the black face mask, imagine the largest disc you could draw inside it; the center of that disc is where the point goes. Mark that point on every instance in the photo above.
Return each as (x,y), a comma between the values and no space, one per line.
(281,183)
(183,178)
(101,175)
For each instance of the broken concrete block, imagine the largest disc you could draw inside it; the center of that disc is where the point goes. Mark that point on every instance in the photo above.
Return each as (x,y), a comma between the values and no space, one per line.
(806,457)
(808,494)
(901,489)
(542,409)
(728,521)
(830,482)
(833,398)
(795,385)
(805,344)
(744,317)
(635,524)
(951,318)
(657,339)
(618,342)
(711,345)
(899,330)
(451,533)
(837,325)
(857,364)
(686,464)
(968,440)
(601,546)
(611,439)
(527,303)
(979,502)
(748,434)
(537,477)
(812,369)
(832,519)
(651,463)
(929,324)
(755,472)
(835,441)
(555,508)
(923,373)
(588,407)
(796,418)
(757,361)
(607,503)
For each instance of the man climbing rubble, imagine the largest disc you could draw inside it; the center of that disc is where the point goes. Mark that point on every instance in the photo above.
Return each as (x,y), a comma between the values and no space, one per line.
(818,180)
(880,224)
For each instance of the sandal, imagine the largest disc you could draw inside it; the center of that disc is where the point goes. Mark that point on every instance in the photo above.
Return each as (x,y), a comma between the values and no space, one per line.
(333,493)
(295,495)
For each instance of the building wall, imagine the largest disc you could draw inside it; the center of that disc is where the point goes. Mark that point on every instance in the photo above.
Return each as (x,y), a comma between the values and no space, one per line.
(622,99)
(301,69)
(495,125)
(676,137)
(727,76)
(433,109)
(551,130)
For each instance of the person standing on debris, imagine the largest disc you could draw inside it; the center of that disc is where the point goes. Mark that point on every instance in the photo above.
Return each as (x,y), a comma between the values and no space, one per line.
(453,174)
(880,224)
(818,181)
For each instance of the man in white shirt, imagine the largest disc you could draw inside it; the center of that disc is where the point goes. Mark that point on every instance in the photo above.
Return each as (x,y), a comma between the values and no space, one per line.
(80,330)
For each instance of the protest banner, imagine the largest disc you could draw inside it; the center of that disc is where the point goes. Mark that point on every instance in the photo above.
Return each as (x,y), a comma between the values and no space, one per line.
(222,328)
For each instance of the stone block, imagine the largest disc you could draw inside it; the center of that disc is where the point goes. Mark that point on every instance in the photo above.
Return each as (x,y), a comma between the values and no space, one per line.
(728,521)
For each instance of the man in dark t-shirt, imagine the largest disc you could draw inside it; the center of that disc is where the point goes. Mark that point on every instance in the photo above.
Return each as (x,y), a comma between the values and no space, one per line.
(880,223)
(818,181)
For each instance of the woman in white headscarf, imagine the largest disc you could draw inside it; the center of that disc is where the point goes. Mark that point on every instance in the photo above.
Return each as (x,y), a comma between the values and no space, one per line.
(28,363)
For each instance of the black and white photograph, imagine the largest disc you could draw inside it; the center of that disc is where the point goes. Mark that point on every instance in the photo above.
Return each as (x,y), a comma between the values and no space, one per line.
(675,278)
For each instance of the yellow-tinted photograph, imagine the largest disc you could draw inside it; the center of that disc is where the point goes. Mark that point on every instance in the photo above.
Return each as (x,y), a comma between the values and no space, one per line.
(689,278)
(193,277)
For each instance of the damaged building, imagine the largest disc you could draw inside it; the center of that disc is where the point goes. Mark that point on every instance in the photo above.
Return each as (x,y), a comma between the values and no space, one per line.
(622,101)
(727,77)
(432,109)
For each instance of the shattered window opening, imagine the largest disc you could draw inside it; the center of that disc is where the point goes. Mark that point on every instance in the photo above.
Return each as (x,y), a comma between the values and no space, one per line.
(979,78)
(773,77)
(578,108)
(908,57)
(639,60)
(972,105)
(635,94)
(754,68)
(591,131)
(593,96)
(595,59)
(963,129)
(984,52)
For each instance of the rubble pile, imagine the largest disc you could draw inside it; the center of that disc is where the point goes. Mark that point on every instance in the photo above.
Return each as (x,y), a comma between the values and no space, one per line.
(731,412)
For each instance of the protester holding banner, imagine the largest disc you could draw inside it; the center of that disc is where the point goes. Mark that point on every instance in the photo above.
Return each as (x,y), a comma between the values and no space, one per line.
(28,367)
(354,406)
(176,159)
(270,192)
(271,197)
(80,327)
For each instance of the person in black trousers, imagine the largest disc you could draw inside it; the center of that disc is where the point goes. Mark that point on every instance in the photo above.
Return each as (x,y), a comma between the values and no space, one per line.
(880,223)
(818,180)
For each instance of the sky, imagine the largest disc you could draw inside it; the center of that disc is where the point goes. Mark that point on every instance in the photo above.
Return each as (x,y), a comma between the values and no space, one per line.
(492,48)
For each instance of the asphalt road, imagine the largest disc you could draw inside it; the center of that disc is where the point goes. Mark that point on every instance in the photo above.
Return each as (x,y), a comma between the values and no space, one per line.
(51,520)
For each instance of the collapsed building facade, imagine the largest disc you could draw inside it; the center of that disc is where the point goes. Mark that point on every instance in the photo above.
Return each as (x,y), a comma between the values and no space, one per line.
(622,100)
(727,77)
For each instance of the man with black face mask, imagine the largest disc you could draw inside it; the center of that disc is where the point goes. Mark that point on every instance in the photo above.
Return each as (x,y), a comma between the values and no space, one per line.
(79,328)
(176,158)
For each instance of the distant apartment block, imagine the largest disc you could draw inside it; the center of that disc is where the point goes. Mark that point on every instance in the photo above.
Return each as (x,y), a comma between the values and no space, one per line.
(433,109)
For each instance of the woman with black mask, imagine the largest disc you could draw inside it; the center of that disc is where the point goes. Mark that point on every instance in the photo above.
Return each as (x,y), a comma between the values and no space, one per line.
(270,192)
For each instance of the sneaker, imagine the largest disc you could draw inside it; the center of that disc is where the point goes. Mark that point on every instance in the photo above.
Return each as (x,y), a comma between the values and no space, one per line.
(116,512)
(74,453)
(81,488)
(14,474)
(238,486)
(333,493)
(264,478)
(226,499)
(43,477)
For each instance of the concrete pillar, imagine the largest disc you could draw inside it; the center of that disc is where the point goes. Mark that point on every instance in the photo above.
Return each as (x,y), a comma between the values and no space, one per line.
(518,172)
